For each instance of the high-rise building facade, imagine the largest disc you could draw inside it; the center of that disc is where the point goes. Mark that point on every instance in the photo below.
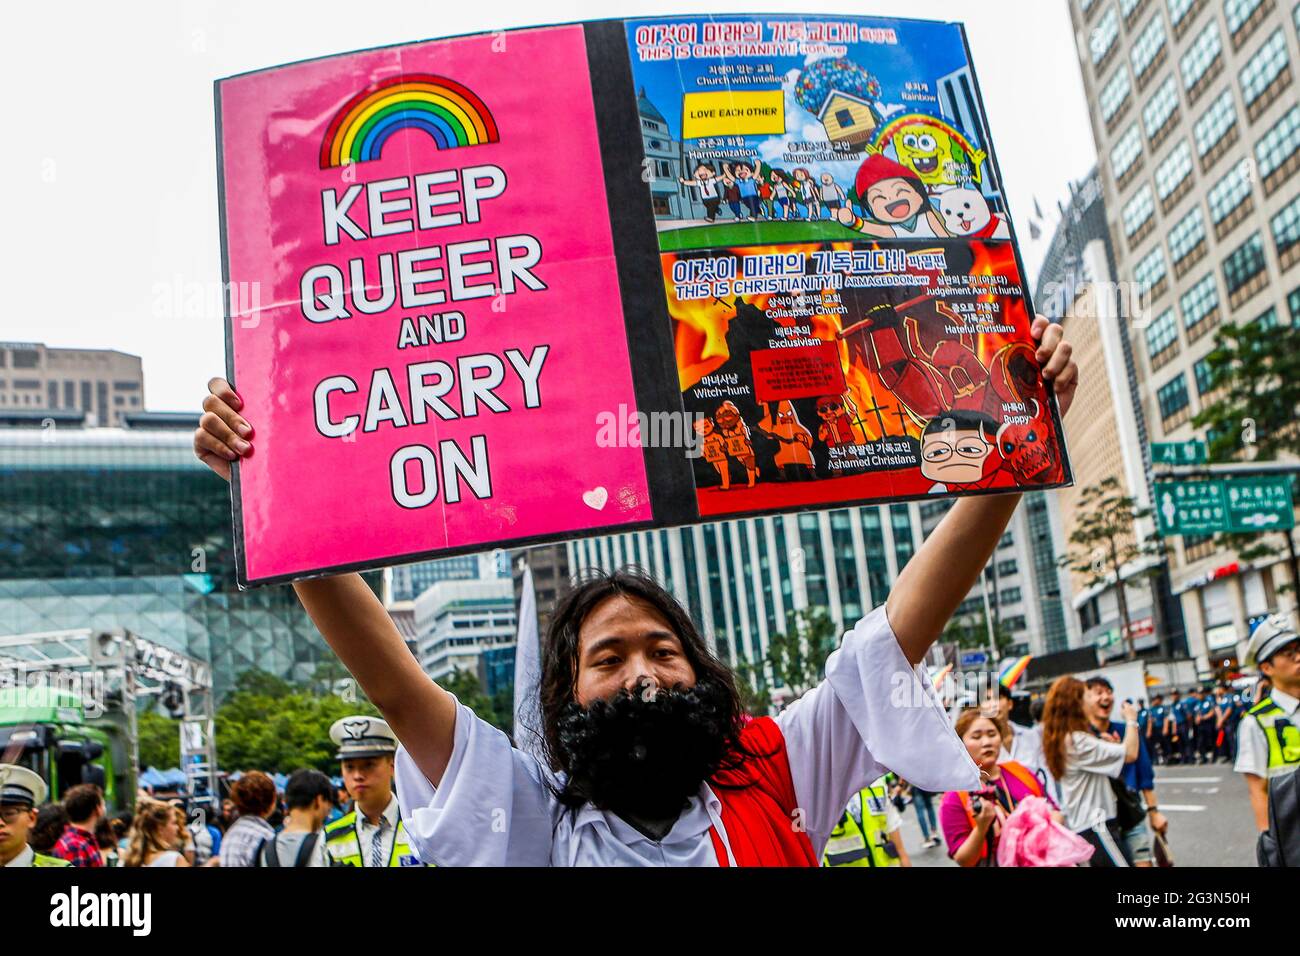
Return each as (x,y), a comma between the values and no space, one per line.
(741,579)
(1106,428)
(456,621)
(1197,125)
(103,385)
(409,581)
(124,528)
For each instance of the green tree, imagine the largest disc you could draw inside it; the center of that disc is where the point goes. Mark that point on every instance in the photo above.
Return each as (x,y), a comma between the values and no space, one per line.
(465,686)
(1249,413)
(158,740)
(1104,539)
(796,657)
(971,632)
(269,724)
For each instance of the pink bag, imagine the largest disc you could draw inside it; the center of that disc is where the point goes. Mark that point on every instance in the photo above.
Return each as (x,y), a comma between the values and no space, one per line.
(1030,837)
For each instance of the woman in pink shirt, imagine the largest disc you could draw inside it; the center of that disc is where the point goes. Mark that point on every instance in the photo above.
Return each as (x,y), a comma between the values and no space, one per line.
(972,822)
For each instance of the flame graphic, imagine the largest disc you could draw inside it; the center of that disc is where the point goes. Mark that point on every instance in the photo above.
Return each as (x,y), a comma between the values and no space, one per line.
(701,325)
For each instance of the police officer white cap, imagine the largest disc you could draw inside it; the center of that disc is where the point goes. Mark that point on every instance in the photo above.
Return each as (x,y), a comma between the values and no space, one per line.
(363,736)
(1272,634)
(20,786)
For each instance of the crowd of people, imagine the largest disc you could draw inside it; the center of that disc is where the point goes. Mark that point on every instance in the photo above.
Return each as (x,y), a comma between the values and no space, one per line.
(1072,785)
(310,823)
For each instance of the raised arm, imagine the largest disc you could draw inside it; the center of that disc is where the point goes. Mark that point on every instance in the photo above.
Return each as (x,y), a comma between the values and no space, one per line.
(348,615)
(940,575)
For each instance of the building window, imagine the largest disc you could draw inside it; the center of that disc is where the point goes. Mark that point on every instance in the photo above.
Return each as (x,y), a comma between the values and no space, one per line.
(1007,568)
(1243,264)
(1229,193)
(1173,172)
(1115,94)
(1200,306)
(1126,7)
(1204,377)
(1201,55)
(1186,235)
(1172,399)
(1150,270)
(1178,9)
(1214,124)
(1138,210)
(1268,319)
(1278,146)
(1104,35)
(1159,108)
(1009,596)
(1286,233)
(1263,68)
(1237,12)
(1125,153)
(1150,43)
(1016,623)
(1162,334)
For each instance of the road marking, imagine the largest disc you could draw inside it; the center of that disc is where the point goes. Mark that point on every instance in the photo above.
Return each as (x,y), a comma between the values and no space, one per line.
(1182,807)
(1188,779)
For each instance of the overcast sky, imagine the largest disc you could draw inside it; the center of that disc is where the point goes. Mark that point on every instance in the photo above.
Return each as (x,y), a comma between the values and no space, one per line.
(110,240)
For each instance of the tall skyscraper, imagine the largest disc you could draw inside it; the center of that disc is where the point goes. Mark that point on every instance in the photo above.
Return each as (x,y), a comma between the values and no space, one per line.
(741,579)
(1197,127)
(1106,427)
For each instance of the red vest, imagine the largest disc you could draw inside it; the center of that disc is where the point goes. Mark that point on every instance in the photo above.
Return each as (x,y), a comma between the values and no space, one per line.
(759,807)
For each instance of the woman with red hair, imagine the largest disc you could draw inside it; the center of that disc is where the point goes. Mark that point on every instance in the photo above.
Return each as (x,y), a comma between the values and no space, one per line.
(1085,765)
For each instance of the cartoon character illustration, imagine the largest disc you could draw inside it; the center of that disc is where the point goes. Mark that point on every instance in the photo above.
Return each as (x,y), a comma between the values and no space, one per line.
(783,191)
(935,151)
(794,457)
(925,370)
(839,425)
(896,199)
(713,449)
(707,182)
(736,438)
(1015,380)
(1026,451)
(741,180)
(954,448)
(805,192)
(832,195)
(966,213)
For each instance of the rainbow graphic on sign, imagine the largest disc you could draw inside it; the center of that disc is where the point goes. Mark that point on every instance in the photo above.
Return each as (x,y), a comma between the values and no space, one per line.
(451,114)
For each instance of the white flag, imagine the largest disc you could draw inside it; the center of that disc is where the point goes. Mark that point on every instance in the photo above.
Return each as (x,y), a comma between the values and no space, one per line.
(528,672)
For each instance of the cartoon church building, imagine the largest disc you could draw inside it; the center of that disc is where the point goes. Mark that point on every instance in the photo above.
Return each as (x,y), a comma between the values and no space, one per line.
(849,120)
(665,161)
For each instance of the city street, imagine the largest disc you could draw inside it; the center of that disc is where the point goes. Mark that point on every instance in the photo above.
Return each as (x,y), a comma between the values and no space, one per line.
(1210,822)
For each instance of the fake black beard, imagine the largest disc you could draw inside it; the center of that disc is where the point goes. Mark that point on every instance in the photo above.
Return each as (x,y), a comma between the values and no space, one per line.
(644,757)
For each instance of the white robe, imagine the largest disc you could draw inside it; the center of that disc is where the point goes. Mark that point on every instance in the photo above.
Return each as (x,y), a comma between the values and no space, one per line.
(872,713)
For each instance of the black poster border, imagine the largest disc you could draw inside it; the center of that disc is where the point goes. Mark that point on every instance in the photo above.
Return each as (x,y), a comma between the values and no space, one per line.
(669,473)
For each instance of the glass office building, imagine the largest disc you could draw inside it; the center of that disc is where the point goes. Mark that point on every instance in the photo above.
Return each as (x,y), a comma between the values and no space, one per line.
(125,528)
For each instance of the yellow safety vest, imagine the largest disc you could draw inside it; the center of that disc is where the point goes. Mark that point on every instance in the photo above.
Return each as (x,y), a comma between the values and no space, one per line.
(1282,734)
(40,859)
(859,838)
(344,846)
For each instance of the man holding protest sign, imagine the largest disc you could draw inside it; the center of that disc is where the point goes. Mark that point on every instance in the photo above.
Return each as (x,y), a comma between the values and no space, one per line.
(649,759)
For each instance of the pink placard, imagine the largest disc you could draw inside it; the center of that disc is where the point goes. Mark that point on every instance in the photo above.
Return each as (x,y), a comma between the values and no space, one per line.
(451,180)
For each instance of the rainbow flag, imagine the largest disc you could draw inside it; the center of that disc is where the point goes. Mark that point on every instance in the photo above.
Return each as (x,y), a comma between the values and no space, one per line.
(1011,673)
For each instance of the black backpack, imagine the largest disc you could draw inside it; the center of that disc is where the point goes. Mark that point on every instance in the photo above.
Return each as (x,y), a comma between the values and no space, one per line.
(1279,845)
(268,855)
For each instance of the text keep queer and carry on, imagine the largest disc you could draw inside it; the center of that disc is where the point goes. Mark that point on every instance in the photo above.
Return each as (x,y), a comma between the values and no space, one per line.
(521,287)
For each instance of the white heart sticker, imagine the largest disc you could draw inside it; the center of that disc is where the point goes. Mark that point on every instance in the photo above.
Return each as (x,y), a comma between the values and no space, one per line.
(595,498)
